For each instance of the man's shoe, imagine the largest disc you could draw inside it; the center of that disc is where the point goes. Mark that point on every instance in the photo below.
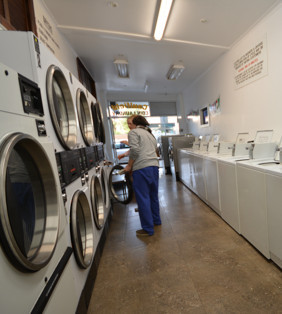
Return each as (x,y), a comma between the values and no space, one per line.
(142,233)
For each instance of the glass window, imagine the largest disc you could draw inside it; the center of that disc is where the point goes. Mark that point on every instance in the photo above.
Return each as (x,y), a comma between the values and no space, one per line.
(25,201)
(60,108)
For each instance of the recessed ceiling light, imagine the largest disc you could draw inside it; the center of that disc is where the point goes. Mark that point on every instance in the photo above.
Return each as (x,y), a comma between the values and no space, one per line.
(175,71)
(112,4)
(121,65)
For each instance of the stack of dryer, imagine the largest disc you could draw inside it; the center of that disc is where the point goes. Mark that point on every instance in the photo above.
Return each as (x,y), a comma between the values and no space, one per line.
(104,167)
(68,125)
(35,269)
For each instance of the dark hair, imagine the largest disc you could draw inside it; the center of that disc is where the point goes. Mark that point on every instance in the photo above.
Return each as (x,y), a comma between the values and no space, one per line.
(140,120)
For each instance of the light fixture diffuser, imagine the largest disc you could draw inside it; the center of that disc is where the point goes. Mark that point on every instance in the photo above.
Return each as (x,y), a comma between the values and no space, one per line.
(175,71)
(162,18)
(122,67)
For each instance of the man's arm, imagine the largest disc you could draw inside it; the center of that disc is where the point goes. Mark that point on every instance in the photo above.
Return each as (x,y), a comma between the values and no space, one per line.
(129,166)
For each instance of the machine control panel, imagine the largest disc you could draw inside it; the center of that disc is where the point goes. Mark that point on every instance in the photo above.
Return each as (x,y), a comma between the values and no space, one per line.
(69,167)
(31,96)
(82,160)
(90,157)
(100,149)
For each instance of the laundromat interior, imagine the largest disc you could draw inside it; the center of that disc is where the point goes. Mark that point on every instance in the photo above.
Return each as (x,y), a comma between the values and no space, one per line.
(207,77)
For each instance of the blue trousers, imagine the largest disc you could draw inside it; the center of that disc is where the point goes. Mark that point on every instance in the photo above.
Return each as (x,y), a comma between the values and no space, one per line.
(145,185)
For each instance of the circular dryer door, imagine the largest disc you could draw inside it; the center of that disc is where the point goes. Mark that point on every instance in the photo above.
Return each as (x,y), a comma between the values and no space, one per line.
(97,202)
(61,107)
(120,185)
(84,117)
(105,185)
(98,122)
(82,233)
(29,210)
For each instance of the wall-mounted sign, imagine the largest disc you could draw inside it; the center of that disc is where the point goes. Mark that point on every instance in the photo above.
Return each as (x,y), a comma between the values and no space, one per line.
(251,65)
(47,31)
(125,109)
(214,108)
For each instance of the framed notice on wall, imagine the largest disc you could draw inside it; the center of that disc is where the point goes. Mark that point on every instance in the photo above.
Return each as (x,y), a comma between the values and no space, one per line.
(251,65)
(215,108)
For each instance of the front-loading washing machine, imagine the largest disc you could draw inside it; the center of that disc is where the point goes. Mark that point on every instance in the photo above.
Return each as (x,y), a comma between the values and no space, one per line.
(34,253)
(23,52)
(73,174)
(90,164)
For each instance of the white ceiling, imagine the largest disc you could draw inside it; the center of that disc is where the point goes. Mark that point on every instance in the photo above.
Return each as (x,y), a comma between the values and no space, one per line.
(99,33)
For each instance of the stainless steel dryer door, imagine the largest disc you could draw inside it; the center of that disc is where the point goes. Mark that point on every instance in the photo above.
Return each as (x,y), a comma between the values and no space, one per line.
(97,202)
(98,122)
(82,232)
(29,210)
(61,107)
(120,185)
(84,117)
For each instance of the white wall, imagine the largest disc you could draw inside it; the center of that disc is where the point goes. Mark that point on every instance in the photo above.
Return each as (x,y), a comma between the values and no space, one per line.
(53,39)
(256,106)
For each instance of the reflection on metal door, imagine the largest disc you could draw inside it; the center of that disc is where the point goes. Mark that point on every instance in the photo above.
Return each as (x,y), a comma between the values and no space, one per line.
(29,210)
(97,202)
(120,185)
(61,107)
(82,233)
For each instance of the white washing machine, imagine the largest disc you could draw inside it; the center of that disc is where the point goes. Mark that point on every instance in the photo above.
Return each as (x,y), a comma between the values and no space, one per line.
(34,254)
(103,168)
(76,191)
(24,53)
(92,179)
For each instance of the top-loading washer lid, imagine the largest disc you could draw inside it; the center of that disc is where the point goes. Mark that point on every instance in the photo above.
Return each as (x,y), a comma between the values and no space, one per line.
(61,107)
(84,117)
(29,210)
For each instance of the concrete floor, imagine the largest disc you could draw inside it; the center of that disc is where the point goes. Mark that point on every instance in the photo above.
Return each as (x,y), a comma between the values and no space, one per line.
(195,263)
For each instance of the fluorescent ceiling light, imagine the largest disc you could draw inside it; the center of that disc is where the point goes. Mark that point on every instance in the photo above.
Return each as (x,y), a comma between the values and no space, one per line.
(162,18)
(175,71)
(122,67)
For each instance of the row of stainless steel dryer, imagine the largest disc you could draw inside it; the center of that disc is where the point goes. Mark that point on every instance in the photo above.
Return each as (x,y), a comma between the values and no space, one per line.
(54,182)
